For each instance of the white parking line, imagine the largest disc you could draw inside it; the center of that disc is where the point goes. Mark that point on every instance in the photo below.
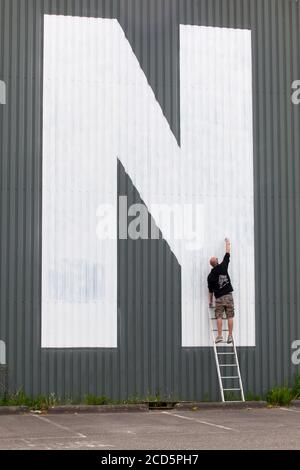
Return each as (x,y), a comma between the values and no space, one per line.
(65,428)
(290,410)
(92,444)
(198,421)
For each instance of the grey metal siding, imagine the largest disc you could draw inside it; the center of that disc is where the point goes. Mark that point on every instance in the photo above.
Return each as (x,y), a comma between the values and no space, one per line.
(150,359)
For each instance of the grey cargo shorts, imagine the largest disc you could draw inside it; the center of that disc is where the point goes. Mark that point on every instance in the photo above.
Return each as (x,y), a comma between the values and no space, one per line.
(225,303)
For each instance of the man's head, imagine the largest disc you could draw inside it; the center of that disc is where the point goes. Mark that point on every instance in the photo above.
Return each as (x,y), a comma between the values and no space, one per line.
(213,261)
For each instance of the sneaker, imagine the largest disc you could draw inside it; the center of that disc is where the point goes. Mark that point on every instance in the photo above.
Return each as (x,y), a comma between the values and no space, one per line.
(229,339)
(219,339)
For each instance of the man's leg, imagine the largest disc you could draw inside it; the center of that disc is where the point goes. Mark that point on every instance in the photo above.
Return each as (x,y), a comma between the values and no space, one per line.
(230,326)
(229,314)
(220,325)
(219,316)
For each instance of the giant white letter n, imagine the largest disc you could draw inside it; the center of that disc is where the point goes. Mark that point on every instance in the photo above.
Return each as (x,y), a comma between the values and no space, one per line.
(98,107)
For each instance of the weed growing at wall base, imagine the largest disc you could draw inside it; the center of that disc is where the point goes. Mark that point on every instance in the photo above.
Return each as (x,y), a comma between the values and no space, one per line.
(296,387)
(280,396)
(277,396)
(252,397)
(19,398)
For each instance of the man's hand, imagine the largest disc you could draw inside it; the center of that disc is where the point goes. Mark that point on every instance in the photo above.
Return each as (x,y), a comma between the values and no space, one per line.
(227,241)
(211,305)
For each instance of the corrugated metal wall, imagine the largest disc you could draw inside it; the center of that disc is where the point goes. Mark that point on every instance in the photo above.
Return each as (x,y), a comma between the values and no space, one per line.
(150,359)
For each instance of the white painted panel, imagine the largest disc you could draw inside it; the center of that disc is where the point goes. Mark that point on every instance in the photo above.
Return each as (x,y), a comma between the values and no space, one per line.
(217,144)
(79,286)
(97,103)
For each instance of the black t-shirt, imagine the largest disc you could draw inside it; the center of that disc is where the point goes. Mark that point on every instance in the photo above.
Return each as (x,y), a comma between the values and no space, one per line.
(218,279)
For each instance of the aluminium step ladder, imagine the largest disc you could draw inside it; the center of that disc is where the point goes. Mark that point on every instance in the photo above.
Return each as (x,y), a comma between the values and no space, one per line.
(226,350)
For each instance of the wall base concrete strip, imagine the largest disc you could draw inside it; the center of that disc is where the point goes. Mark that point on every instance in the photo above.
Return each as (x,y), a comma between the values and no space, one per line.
(295,403)
(97,408)
(7,410)
(220,405)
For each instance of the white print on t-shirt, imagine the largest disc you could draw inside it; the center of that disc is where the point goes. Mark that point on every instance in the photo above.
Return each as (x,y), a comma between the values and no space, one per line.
(223,280)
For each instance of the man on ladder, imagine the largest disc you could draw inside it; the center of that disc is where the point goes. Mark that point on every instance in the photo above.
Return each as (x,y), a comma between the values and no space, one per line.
(219,285)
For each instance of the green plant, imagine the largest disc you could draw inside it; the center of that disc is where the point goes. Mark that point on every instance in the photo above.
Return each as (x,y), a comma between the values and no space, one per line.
(252,397)
(296,387)
(130,401)
(230,396)
(153,398)
(42,402)
(72,401)
(206,397)
(19,398)
(280,396)
(96,400)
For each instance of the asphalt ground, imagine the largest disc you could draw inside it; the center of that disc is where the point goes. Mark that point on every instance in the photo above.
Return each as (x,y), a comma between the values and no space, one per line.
(276,428)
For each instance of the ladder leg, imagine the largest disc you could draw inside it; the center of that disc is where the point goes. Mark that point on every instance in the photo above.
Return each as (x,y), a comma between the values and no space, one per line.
(239,372)
(216,358)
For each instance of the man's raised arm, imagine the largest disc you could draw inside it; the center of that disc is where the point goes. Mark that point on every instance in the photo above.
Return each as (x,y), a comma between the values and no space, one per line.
(227,242)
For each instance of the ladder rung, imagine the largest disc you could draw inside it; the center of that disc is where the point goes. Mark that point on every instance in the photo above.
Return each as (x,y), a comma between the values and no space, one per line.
(224,353)
(230,377)
(233,401)
(221,343)
(227,389)
(217,330)
(227,365)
